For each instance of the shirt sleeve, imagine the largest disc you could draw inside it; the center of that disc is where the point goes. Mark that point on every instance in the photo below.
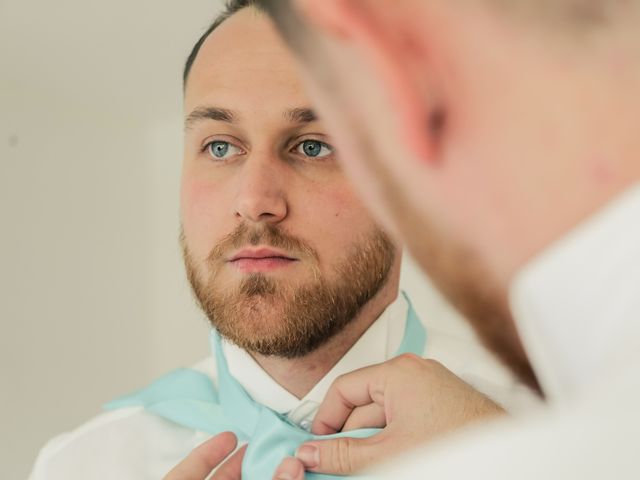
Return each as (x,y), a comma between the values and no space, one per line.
(124,444)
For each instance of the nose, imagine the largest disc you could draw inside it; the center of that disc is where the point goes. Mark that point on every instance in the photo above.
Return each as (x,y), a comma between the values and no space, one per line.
(261,196)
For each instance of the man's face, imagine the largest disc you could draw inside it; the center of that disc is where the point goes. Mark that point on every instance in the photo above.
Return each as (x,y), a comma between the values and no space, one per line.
(280,252)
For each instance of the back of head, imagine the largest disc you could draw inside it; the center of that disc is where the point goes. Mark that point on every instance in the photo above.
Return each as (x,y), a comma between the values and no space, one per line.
(481,130)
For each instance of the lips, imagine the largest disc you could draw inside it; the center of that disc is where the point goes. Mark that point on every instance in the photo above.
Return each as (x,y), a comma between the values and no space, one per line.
(261,260)
(260,254)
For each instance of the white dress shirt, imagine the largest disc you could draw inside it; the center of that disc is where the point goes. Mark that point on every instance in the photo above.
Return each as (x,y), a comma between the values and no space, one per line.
(131,443)
(577,307)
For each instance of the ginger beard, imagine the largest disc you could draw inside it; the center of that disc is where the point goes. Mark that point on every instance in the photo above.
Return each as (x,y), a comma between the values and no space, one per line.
(271,316)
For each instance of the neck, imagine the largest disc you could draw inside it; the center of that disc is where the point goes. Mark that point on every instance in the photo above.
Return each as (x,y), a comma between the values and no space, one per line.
(591,187)
(300,375)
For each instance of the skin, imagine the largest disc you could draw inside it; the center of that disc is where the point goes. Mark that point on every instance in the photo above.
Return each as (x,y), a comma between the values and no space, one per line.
(306,199)
(207,456)
(386,403)
(494,132)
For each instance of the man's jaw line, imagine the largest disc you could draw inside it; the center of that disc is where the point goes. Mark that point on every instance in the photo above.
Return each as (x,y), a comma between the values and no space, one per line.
(300,374)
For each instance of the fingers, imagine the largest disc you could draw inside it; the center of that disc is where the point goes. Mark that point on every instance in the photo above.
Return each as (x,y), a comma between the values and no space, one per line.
(290,469)
(369,416)
(356,389)
(342,456)
(204,458)
(232,468)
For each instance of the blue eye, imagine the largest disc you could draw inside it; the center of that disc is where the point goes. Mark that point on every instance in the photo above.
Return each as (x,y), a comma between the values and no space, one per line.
(314,149)
(222,150)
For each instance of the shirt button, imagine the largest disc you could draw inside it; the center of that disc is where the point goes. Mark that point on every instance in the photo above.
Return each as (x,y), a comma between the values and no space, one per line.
(305,425)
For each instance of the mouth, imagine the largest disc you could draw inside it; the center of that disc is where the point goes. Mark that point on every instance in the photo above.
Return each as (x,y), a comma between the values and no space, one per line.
(261,260)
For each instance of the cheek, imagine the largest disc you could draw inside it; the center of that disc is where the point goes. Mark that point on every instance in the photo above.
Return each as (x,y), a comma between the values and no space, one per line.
(340,205)
(201,215)
(353,154)
(334,220)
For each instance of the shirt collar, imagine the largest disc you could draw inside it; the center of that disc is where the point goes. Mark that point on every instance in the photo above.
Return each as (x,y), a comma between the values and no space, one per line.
(577,305)
(377,344)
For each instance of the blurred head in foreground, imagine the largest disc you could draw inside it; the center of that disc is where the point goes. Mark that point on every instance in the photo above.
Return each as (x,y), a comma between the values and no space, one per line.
(479,130)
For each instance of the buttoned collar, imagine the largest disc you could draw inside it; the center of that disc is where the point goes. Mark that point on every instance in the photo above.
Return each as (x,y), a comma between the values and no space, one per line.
(577,305)
(376,345)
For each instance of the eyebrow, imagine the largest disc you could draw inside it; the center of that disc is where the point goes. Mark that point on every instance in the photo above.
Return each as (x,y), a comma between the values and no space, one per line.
(301,115)
(294,115)
(209,113)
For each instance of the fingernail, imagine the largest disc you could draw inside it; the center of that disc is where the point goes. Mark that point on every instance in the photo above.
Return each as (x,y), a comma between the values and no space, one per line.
(290,469)
(309,455)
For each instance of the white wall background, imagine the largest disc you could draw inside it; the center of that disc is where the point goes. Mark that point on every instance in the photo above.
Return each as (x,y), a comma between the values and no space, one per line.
(93,300)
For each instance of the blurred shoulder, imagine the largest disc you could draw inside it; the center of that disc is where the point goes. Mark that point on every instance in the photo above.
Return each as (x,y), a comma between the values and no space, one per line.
(127,443)
(589,438)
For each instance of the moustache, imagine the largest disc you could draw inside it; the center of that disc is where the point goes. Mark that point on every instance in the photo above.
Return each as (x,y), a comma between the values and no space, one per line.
(267,235)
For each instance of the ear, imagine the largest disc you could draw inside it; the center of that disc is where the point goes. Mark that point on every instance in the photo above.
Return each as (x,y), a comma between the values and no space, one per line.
(396,57)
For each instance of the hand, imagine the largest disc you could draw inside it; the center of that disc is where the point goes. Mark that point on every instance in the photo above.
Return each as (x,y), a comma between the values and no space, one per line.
(413,399)
(199,464)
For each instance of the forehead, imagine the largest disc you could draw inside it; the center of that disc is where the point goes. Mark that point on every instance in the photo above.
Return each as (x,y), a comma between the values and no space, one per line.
(244,65)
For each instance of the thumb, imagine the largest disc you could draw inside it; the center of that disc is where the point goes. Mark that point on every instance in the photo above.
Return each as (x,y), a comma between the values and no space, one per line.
(341,456)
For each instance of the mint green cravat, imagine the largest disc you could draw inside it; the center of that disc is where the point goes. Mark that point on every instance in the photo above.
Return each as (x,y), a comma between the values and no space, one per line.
(189,398)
